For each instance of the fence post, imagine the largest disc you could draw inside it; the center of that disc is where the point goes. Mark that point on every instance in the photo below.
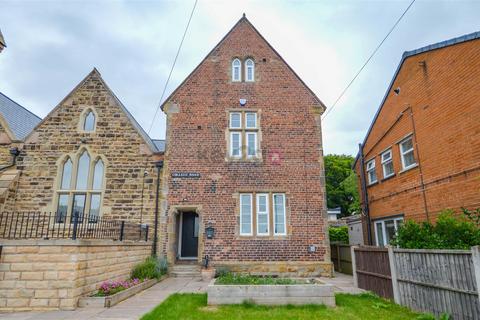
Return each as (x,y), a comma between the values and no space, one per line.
(146,233)
(122,228)
(75,225)
(393,274)
(354,267)
(476,266)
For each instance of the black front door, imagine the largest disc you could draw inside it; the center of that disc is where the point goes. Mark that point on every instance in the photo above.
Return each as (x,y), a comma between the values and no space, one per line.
(189,235)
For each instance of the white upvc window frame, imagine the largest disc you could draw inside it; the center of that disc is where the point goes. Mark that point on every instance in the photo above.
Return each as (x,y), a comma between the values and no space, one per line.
(240,146)
(242,222)
(371,168)
(267,213)
(385,162)
(246,120)
(230,125)
(384,229)
(247,66)
(275,233)
(404,152)
(239,66)
(247,143)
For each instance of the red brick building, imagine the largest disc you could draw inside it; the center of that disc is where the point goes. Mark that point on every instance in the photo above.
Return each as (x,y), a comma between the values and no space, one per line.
(243,178)
(421,154)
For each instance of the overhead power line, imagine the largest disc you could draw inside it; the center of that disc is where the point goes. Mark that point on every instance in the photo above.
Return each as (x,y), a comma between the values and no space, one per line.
(368,60)
(171,70)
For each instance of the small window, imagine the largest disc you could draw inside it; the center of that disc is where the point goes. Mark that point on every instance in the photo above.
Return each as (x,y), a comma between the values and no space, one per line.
(387,164)
(249,70)
(251,120)
(262,215)
(251,144)
(235,144)
(66,174)
(246,214)
(89,123)
(279,214)
(371,173)
(406,153)
(386,230)
(236,70)
(235,120)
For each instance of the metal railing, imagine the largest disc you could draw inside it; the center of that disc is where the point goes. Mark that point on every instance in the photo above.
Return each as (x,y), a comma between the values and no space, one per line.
(48,225)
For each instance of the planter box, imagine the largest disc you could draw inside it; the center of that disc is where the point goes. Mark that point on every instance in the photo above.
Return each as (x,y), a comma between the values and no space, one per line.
(271,294)
(110,301)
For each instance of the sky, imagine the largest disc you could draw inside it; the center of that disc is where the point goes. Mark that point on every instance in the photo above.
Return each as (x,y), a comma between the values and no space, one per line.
(53,45)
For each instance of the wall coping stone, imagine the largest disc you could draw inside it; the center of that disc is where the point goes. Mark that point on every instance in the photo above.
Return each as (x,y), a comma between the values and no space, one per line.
(70,242)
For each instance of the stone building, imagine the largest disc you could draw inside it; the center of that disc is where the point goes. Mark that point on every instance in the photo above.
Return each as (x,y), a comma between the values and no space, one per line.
(421,154)
(242,184)
(244,160)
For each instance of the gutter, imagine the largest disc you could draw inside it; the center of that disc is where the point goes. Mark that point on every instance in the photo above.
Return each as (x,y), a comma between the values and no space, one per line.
(159,166)
(363,183)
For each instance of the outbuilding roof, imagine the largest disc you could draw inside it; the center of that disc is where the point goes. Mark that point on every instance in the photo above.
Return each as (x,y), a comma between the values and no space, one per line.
(20,121)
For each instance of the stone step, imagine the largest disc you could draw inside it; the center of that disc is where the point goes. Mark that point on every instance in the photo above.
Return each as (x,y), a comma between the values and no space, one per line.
(186,274)
(186,270)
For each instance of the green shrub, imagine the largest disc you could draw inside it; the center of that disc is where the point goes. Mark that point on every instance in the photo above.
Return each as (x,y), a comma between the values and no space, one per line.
(221,271)
(450,232)
(338,234)
(151,268)
(245,279)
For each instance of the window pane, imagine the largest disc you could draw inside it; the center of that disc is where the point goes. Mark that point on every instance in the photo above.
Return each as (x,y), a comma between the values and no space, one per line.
(279,213)
(246,214)
(62,208)
(249,65)
(235,144)
(236,70)
(252,144)
(251,120)
(408,159)
(66,175)
(390,229)
(83,170)
(78,206)
(386,156)
(262,203)
(372,176)
(379,231)
(262,214)
(235,120)
(388,169)
(98,175)
(89,124)
(407,145)
(94,212)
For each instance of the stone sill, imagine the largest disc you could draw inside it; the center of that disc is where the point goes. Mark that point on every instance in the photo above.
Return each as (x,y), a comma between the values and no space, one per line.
(409,168)
(70,242)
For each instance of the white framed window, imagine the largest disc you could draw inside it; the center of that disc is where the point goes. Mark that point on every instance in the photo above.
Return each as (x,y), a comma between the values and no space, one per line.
(263,220)
(279,214)
(80,187)
(89,122)
(371,173)
(386,230)
(249,70)
(243,126)
(406,153)
(246,217)
(387,164)
(251,144)
(251,120)
(236,70)
(235,120)
(236,144)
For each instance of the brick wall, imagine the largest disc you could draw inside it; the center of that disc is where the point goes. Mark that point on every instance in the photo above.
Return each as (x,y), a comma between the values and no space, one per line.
(289,117)
(439,95)
(53,274)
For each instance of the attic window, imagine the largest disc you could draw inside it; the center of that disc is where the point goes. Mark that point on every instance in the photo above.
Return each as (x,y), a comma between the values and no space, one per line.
(89,122)
(236,70)
(249,70)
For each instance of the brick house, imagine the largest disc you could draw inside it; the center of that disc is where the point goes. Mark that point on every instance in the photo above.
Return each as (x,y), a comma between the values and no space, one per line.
(244,157)
(243,163)
(421,154)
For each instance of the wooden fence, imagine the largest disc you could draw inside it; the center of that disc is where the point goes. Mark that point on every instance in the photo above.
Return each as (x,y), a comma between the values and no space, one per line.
(435,281)
(341,256)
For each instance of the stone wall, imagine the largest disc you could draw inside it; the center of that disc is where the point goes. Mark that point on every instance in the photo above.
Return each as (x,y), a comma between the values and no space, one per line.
(53,274)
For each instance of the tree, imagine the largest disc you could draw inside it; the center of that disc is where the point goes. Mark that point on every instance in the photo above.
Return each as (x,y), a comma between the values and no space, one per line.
(342,186)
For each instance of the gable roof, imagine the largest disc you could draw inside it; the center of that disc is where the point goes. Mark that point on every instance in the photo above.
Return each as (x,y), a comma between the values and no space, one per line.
(407,54)
(19,120)
(243,19)
(134,122)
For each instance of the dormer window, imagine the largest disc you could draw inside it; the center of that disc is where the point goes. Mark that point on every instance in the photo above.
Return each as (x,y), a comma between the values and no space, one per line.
(236,70)
(89,121)
(249,70)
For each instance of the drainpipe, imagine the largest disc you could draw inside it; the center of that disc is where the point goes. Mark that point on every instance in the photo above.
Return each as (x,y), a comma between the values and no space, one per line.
(15,153)
(363,183)
(159,166)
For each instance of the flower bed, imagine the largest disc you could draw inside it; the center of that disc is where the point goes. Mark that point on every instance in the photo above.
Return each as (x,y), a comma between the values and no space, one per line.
(111,287)
(233,278)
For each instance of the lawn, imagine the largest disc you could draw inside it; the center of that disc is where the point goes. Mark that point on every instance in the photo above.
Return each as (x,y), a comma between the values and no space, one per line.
(365,306)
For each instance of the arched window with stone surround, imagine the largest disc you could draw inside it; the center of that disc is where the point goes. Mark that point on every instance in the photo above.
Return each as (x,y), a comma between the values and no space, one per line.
(236,70)
(249,70)
(89,121)
(81,187)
